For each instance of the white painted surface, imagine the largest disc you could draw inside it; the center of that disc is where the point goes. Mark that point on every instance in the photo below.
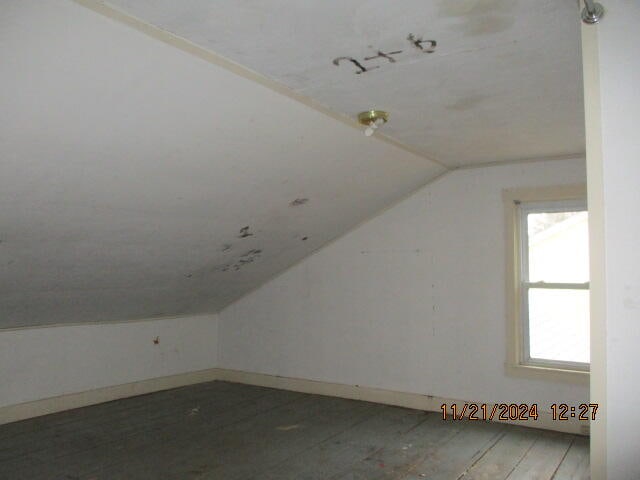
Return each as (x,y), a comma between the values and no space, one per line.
(597,307)
(613,104)
(127,165)
(412,301)
(503,83)
(39,363)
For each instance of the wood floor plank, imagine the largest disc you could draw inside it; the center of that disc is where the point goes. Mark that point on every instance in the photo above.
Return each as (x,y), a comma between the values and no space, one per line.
(543,459)
(226,449)
(575,465)
(499,460)
(126,412)
(229,431)
(400,458)
(167,449)
(338,454)
(285,436)
(100,426)
(453,458)
(129,447)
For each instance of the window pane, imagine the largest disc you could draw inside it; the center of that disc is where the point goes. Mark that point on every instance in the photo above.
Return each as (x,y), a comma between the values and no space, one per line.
(559,324)
(558,247)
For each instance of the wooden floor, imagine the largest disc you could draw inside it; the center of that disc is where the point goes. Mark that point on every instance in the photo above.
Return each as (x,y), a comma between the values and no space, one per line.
(227,431)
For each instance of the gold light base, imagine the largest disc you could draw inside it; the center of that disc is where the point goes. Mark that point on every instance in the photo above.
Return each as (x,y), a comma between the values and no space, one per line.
(371,116)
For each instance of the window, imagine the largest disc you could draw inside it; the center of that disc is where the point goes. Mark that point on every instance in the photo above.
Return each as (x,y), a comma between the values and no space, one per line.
(549,281)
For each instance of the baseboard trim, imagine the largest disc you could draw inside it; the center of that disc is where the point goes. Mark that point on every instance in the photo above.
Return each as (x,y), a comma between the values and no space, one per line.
(388,397)
(22,411)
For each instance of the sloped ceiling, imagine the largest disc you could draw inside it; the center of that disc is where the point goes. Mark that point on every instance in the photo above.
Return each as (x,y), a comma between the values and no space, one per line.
(503,81)
(137,180)
(142,175)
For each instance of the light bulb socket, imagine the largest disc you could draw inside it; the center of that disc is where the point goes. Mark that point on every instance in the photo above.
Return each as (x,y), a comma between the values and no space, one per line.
(376,117)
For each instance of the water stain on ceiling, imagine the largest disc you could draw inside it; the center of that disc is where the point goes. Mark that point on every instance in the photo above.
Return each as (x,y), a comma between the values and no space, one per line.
(522,57)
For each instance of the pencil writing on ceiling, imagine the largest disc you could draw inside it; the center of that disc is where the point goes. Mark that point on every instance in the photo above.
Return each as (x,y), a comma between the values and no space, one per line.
(418,42)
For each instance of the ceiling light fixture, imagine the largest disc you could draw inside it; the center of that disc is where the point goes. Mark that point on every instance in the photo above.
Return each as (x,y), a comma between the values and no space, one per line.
(592,12)
(372,119)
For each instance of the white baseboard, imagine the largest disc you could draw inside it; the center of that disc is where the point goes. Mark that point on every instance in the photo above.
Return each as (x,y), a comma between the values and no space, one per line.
(22,411)
(389,397)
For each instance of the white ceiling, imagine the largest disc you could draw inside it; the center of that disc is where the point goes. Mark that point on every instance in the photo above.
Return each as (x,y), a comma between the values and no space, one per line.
(129,169)
(503,83)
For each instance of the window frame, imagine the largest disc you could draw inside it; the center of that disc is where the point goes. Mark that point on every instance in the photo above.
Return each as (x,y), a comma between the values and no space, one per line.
(519,362)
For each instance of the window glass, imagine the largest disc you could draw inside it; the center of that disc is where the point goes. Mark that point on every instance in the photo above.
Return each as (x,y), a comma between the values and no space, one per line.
(558,247)
(555,283)
(559,324)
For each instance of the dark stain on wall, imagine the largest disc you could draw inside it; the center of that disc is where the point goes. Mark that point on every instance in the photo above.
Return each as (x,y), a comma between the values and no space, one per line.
(243,260)
(247,258)
(244,232)
(298,201)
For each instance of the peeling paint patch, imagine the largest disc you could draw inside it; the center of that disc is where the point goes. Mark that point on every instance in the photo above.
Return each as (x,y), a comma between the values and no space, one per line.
(299,201)
(226,247)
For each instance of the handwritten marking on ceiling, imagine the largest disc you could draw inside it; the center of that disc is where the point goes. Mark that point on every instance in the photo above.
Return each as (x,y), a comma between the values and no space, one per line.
(418,42)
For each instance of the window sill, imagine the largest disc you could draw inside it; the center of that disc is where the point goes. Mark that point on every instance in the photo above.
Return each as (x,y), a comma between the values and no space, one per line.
(548,373)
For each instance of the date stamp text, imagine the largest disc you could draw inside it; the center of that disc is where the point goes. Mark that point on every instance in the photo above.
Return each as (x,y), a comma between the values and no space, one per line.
(516,411)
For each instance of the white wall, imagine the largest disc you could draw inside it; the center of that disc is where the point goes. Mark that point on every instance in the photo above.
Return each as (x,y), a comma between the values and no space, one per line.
(612,71)
(413,300)
(38,363)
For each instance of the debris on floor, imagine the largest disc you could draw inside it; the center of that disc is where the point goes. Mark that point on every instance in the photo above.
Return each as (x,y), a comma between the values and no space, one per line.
(286,428)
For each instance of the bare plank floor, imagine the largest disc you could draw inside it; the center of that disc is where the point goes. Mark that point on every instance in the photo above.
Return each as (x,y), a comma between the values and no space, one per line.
(228,431)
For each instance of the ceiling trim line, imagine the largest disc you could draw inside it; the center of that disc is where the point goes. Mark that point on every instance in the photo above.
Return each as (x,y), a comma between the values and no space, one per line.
(97,323)
(498,163)
(209,56)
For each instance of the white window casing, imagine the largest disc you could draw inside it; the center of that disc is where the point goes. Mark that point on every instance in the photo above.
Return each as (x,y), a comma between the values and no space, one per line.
(518,204)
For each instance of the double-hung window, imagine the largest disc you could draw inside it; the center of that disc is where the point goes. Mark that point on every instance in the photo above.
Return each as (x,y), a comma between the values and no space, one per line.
(549,279)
